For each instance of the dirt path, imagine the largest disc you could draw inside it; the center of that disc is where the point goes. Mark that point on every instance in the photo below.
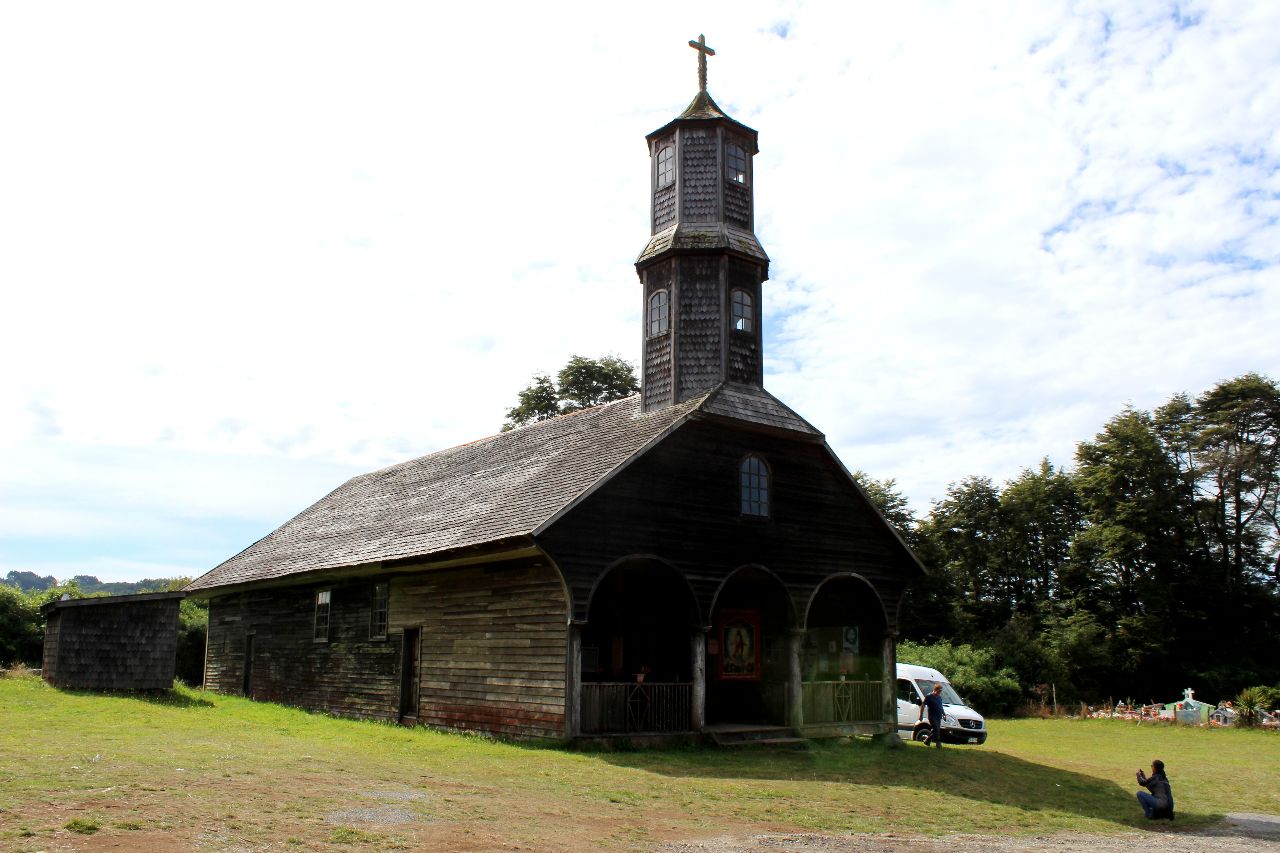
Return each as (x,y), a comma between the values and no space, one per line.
(1240,833)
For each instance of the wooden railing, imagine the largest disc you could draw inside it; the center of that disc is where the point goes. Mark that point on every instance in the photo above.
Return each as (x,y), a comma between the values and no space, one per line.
(622,707)
(843,701)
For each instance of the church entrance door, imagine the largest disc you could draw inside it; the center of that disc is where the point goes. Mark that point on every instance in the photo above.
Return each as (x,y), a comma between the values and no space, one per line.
(748,661)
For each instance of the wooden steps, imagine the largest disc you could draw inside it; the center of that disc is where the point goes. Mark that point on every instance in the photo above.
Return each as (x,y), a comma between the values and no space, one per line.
(741,736)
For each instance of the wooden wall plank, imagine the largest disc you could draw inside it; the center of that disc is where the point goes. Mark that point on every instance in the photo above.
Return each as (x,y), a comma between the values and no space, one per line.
(492,648)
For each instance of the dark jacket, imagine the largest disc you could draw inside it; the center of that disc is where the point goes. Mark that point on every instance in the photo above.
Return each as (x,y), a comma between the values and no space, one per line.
(1159,787)
(932,707)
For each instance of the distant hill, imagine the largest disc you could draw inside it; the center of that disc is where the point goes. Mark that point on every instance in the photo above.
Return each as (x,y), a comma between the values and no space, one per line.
(31,582)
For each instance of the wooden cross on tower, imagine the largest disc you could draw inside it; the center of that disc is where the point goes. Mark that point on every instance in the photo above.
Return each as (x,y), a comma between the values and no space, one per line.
(703,52)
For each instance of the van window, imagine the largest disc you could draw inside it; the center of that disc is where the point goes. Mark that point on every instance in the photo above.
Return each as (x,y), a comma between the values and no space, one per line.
(949,696)
(907,693)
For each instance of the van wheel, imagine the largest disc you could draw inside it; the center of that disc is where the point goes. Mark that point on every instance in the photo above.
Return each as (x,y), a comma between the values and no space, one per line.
(921,733)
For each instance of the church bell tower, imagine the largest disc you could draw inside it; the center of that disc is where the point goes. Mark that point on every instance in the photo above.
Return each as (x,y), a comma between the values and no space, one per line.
(702,269)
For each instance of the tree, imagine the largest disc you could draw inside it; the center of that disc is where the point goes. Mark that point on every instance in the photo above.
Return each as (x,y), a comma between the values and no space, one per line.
(538,402)
(1238,440)
(967,534)
(886,497)
(19,627)
(580,384)
(1129,488)
(1042,515)
(28,581)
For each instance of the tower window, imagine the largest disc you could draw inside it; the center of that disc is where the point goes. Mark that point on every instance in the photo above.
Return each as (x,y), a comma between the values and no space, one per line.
(735,160)
(741,311)
(659,320)
(755,486)
(666,166)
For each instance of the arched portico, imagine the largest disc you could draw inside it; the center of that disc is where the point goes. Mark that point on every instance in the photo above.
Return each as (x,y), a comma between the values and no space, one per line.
(749,661)
(636,662)
(846,657)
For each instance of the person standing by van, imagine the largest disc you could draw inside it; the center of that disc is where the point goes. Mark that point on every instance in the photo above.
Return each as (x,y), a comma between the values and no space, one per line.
(933,704)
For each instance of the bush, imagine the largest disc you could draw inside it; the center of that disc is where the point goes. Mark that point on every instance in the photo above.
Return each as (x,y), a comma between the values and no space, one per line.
(1250,703)
(21,629)
(990,688)
(193,627)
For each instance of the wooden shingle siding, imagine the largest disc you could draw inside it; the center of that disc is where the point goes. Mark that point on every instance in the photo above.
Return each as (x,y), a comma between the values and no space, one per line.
(493,646)
(49,656)
(745,364)
(350,675)
(112,643)
(699,322)
(700,176)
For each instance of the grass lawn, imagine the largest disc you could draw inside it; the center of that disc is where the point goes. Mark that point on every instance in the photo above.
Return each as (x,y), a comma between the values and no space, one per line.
(198,770)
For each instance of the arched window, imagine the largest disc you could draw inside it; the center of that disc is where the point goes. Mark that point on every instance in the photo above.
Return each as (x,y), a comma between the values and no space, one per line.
(755,486)
(666,166)
(741,311)
(735,162)
(658,314)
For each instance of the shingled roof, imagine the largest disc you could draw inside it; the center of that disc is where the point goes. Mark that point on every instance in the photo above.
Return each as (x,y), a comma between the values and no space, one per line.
(493,489)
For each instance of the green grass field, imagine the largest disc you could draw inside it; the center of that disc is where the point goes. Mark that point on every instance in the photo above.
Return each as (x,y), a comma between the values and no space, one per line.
(192,769)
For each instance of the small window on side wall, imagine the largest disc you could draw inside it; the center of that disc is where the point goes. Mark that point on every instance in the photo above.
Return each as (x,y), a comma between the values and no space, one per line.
(321,633)
(755,486)
(659,315)
(735,162)
(742,311)
(666,166)
(378,615)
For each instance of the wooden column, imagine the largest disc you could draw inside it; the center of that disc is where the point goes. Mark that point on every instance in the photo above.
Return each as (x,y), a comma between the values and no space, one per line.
(795,688)
(698,648)
(573,683)
(889,688)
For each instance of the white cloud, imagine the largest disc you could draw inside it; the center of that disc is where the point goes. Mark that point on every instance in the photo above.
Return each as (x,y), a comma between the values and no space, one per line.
(342,235)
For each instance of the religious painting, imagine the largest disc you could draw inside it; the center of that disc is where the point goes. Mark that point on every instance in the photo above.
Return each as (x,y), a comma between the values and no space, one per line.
(739,636)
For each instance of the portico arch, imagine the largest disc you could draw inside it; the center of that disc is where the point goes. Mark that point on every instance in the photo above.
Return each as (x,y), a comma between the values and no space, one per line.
(637,669)
(748,651)
(843,653)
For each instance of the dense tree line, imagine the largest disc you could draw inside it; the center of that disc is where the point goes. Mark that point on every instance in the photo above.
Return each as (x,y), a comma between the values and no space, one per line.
(1151,565)
(85,584)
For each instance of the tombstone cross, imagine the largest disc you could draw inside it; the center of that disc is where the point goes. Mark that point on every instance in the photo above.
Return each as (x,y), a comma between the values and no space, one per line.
(703,52)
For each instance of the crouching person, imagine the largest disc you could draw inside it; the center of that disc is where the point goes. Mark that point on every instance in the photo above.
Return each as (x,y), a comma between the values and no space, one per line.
(1158,803)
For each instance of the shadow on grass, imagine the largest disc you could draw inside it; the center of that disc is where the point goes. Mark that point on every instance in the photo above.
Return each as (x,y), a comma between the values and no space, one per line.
(168,698)
(978,775)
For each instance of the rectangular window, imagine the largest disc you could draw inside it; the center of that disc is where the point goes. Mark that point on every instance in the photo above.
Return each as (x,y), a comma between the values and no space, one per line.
(378,616)
(321,634)
(755,487)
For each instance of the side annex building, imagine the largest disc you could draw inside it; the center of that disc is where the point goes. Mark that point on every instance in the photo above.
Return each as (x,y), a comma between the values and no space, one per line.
(690,559)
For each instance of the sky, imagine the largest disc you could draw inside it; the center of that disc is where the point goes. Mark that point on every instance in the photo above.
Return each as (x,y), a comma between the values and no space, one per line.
(248,250)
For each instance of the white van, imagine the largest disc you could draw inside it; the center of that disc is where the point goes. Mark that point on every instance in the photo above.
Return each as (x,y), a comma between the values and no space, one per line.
(961,724)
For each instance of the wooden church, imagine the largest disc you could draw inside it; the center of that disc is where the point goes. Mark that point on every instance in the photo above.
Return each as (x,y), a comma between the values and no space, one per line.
(691,560)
